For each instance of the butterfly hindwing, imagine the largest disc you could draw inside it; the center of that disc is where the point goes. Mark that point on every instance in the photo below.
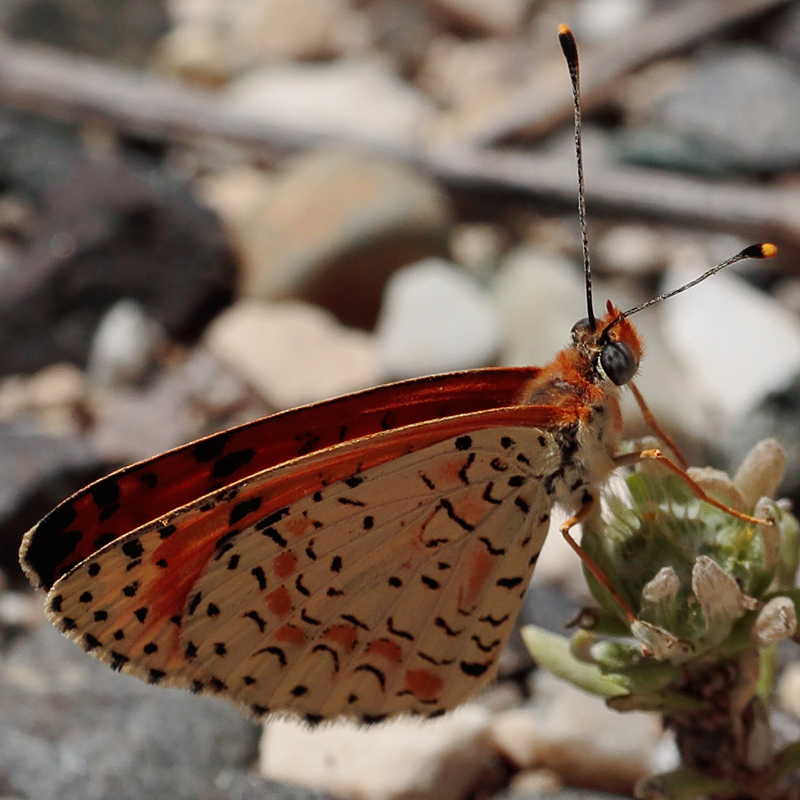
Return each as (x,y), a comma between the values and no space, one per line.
(390,588)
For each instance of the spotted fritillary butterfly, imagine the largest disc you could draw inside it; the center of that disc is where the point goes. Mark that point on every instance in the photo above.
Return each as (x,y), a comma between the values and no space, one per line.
(364,556)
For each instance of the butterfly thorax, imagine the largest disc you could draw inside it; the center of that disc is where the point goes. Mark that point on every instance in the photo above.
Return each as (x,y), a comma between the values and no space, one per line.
(585,401)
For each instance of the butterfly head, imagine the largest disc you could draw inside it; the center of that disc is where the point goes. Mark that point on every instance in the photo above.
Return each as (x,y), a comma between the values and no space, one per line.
(612,345)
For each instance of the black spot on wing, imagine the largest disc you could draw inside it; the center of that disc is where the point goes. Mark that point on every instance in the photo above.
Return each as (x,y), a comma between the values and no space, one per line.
(271,533)
(107,512)
(105,492)
(441,623)
(258,574)
(400,633)
(133,549)
(495,623)
(353,620)
(51,545)
(253,615)
(462,473)
(373,671)
(211,448)
(493,551)
(241,510)
(103,540)
(272,519)
(324,648)
(450,511)
(226,465)
(474,669)
(509,583)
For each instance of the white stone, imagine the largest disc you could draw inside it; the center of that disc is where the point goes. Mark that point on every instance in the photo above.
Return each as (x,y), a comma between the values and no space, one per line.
(596,20)
(292,353)
(736,342)
(632,249)
(788,689)
(578,737)
(290,29)
(405,758)
(540,296)
(435,318)
(359,100)
(124,345)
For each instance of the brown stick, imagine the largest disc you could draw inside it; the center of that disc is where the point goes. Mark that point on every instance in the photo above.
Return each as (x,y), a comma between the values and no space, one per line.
(74,88)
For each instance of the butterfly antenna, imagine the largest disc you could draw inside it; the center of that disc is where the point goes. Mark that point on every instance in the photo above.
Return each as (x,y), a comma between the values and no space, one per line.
(570,48)
(763,250)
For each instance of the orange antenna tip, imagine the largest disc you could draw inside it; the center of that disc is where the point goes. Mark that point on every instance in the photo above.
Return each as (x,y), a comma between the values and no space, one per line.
(568,45)
(768,250)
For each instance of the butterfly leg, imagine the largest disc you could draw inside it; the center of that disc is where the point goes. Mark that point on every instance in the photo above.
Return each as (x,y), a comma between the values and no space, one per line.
(652,423)
(697,490)
(589,563)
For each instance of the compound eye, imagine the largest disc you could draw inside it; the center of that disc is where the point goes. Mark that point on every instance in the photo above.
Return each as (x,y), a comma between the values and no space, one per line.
(579,326)
(618,362)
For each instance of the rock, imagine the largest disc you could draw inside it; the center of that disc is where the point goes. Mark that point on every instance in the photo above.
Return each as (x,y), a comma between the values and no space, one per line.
(726,333)
(440,759)
(52,401)
(264,30)
(36,472)
(738,111)
(670,391)
(778,416)
(596,20)
(245,785)
(190,400)
(435,318)
(293,353)
(124,346)
(632,249)
(477,246)
(540,296)
(108,229)
(355,100)
(472,77)
(125,31)
(212,42)
(500,17)
(788,689)
(578,737)
(335,226)
(402,29)
(72,728)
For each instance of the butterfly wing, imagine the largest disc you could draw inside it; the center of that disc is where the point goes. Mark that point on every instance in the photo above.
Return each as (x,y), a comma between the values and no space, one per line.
(143,492)
(374,577)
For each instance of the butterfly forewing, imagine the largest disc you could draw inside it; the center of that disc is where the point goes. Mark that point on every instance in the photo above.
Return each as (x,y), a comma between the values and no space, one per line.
(391,588)
(141,493)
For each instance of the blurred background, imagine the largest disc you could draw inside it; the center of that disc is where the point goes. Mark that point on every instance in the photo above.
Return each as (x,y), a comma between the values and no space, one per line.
(211,210)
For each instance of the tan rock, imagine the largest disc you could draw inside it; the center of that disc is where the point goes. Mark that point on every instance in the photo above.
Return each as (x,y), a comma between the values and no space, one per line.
(576,736)
(333,229)
(292,353)
(495,17)
(438,759)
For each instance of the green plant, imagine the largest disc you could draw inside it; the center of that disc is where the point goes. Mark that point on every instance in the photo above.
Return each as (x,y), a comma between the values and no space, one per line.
(712,596)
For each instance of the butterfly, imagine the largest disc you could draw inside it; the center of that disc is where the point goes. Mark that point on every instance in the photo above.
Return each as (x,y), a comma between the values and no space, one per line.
(361,557)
